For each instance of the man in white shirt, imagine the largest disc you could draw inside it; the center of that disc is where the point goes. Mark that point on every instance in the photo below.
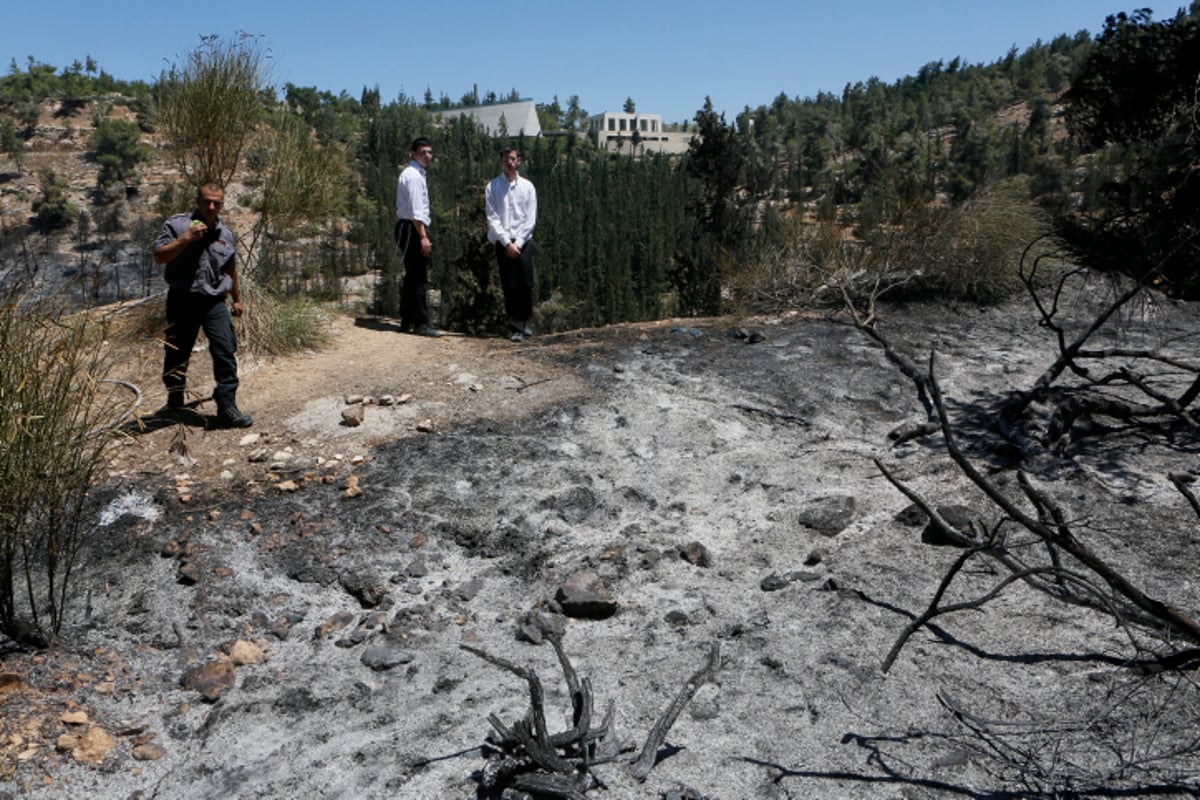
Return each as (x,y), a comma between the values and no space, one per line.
(511,204)
(412,237)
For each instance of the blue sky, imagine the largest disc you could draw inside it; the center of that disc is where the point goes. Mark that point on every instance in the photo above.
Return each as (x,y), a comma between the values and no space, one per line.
(667,56)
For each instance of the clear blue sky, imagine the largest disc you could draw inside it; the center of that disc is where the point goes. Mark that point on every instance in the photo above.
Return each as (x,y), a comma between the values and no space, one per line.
(667,56)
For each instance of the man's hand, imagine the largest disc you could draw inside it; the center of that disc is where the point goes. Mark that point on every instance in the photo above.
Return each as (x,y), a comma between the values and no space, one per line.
(426,246)
(237,308)
(195,231)
(512,250)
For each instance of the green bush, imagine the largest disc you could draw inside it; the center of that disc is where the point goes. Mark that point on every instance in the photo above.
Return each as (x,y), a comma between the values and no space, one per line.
(115,147)
(52,210)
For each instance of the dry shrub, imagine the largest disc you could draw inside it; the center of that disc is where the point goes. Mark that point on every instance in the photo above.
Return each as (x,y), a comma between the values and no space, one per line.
(968,252)
(58,416)
(278,325)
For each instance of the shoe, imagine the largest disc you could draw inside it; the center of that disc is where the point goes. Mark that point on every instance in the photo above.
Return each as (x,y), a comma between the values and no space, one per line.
(428,330)
(175,409)
(517,337)
(174,412)
(231,417)
(526,331)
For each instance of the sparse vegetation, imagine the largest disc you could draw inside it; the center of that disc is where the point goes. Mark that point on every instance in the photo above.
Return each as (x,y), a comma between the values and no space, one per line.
(115,147)
(57,419)
(52,210)
(209,106)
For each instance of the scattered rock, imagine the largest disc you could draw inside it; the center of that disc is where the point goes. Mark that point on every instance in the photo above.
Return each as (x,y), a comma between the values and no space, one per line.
(338,621)
(704,705)
(385,654)
(93,746)
(210,679)
(148,752)
(829,516)
(425,426)
(585,596)
(469,590)
(749,336)
(287,486)
(9,682)
(677,618)
(912,516)
(695,553)
(369,592)
(353,416)
(537,624)
(74,718)
(188,573)
(773,583)
(912,430)
(958,516)
(243,652)
(352,489)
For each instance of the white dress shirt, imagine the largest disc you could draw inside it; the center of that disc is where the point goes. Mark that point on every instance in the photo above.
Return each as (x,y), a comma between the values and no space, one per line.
(511,210)
(412,194)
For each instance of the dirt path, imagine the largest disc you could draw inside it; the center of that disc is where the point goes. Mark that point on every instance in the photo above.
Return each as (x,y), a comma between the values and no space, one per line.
(297,401)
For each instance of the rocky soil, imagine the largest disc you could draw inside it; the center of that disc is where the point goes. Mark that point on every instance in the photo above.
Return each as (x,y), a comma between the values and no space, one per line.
(280,612)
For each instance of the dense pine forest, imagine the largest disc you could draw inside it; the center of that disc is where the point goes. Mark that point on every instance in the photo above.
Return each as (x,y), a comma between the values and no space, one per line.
(937,182)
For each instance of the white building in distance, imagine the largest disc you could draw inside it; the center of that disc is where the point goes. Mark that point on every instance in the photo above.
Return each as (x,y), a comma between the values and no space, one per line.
(634,134)
(520,117)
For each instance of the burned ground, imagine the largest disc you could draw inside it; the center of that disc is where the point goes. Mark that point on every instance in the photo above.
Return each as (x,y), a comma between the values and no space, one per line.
(716,476)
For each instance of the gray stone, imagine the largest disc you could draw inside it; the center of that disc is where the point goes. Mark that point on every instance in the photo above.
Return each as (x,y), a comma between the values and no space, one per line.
(958,516)
(352,416)
(829,516)
(695,553)
(585,596)
(384,655)
(773,583)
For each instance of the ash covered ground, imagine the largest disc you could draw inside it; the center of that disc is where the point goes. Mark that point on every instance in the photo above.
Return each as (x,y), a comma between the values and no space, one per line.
(716,478)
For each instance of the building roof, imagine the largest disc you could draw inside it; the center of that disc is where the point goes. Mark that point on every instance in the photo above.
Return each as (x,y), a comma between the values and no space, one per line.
(520,117)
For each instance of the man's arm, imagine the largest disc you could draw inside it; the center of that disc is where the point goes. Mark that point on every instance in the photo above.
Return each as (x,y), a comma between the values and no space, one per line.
(235,291)
(422,231)
(164,254)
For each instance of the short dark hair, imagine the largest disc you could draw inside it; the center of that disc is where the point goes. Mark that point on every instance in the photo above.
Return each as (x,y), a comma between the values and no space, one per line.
(509,148)
(211,186)
(418,143)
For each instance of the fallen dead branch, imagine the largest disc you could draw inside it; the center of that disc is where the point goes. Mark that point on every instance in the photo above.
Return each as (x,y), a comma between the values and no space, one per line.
(1089,581)
(526,757)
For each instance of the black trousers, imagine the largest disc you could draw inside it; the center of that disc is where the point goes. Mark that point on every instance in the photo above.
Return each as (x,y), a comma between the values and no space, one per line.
(414,307)
(516,280)
(188,313)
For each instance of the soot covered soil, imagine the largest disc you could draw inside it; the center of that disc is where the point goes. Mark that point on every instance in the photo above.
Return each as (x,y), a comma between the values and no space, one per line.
(717,478)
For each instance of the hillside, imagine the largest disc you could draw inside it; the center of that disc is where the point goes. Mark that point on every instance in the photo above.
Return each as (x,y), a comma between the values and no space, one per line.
(105,265)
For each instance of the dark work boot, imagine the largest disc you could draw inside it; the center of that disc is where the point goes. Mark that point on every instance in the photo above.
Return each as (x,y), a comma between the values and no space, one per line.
(230,417)
(175,409)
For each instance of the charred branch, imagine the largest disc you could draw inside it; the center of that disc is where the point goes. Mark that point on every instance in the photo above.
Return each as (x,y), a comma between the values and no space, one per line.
(526,757)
